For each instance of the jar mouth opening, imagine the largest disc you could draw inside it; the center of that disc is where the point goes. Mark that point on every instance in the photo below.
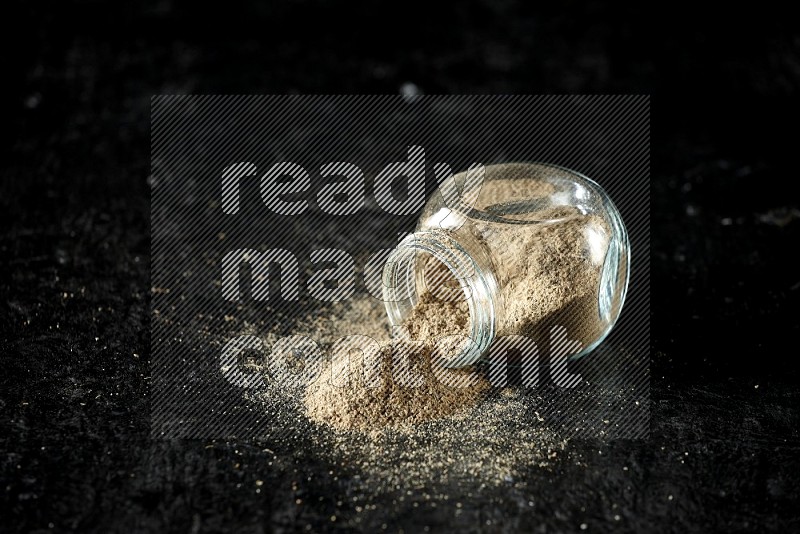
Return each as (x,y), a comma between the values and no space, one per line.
(401,292)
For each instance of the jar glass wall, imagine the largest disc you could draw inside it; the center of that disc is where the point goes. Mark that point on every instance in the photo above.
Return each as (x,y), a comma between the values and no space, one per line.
(535,250)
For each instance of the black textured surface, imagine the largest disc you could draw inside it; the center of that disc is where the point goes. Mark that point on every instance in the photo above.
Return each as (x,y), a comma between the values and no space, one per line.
(723,454)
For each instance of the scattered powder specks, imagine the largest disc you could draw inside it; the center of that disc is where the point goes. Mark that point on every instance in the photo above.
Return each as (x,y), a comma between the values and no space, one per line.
(492,443)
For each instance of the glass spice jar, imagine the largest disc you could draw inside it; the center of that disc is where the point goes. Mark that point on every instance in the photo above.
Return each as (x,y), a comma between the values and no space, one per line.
(534,249)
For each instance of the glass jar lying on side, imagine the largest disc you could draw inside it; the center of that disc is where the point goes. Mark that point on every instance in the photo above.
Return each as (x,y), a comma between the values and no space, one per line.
(536,250)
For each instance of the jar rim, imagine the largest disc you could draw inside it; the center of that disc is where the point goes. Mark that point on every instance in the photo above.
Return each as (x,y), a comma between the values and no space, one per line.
(476,280)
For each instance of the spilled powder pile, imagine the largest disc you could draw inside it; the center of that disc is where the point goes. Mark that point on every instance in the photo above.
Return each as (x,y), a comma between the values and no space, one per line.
(494,437)
(401,382)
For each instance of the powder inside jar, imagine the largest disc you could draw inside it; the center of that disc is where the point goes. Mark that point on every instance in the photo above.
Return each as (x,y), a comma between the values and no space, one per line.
(549,274)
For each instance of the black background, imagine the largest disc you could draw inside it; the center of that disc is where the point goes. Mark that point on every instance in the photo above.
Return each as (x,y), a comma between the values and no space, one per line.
(77,80)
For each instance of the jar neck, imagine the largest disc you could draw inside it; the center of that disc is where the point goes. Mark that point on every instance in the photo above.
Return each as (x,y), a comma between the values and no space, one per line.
(468,262)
